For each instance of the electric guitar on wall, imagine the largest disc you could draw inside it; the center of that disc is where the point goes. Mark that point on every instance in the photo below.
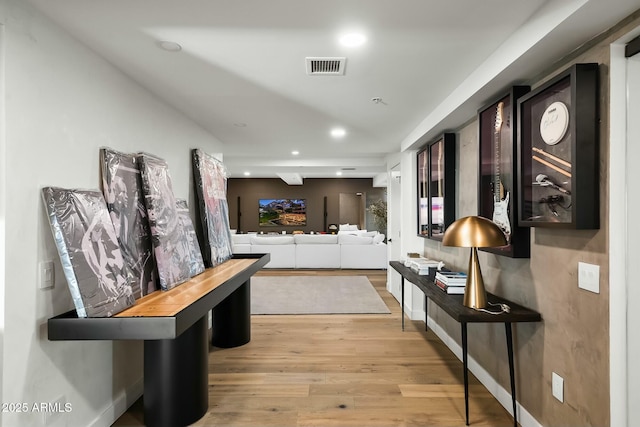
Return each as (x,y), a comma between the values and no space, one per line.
(500,200)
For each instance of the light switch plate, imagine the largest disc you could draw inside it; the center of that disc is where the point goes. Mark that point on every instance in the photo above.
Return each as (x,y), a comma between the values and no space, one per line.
(47,277)
(557,386)
(589,277)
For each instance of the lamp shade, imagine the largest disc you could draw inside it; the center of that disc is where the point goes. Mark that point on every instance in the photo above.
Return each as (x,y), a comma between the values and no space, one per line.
(474,232)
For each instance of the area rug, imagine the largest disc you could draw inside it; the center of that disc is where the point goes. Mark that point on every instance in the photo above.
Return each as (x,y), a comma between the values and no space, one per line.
(314,295)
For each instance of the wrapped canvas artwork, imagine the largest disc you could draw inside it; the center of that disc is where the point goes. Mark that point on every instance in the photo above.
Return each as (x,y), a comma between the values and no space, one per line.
(98,277)
(122,189)
(171,247)
(197,264)
(210,178)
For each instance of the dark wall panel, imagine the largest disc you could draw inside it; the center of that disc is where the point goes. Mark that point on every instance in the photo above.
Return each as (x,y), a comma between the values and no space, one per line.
(314,190)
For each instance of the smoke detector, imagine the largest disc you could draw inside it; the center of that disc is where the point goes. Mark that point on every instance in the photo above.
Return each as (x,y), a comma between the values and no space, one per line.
(328,66)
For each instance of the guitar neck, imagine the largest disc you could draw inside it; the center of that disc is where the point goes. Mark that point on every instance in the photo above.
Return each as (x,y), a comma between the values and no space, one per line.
(497,182)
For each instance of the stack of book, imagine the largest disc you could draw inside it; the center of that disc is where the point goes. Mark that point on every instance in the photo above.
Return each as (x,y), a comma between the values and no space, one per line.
(423,266)
(452,282)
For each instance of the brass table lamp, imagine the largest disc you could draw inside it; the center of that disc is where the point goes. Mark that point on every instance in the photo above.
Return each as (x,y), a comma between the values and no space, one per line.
(474,232)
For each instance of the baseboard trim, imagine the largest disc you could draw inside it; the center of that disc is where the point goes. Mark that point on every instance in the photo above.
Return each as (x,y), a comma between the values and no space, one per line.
(413,314)
(525,419)
(120,404)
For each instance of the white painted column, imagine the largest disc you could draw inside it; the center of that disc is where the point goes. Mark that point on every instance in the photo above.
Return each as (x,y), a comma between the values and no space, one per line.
(633,237)
(624,232)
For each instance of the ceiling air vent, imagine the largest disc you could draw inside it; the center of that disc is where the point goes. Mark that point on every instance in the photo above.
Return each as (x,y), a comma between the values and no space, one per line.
(325,66)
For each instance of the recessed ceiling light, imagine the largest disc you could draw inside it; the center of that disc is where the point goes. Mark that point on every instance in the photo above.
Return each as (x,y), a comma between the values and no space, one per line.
(352,39)
(247,174)
(338,132)
(240,125)
(169,46)
(339,173)
(295,153)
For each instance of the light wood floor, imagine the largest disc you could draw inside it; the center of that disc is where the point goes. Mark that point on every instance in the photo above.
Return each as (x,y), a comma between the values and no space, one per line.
(340,370)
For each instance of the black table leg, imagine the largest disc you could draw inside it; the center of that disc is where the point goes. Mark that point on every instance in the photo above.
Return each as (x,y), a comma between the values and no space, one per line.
(176,378)
(232,318)
(402,300)
(426,316)
(466,371)
(507,326)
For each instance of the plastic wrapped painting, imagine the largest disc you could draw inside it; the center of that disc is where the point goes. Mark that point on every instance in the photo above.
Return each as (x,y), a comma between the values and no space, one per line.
(122,189)
(98,277)
(170,246)
(210,178)
(197,263)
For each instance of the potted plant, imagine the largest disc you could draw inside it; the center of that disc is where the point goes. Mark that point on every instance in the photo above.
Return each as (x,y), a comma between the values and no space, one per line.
(379,211)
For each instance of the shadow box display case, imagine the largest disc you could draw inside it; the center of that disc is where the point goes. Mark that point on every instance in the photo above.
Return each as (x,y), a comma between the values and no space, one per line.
(436,186)
(558,151)
(498,195)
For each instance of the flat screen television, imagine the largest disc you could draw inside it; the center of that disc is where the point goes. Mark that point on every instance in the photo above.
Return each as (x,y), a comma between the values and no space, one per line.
(282,212)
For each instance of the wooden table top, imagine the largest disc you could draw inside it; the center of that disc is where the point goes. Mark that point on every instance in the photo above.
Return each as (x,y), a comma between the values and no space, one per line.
(171,302)
(162,314)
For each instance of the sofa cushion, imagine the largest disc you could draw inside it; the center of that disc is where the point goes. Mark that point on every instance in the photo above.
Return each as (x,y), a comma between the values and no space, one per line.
(318,256)
(378,238)
(241,248)
(348,227)
(364,233)
(315,239)
(348,239)
(271,240)
(363,256)
(241,239)
(282,255)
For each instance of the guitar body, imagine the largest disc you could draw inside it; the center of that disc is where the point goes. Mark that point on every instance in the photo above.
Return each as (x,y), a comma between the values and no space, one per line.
(500,204)
(501,215)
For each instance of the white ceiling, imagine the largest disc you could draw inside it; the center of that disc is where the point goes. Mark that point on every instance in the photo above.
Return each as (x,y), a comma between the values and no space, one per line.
(241,71)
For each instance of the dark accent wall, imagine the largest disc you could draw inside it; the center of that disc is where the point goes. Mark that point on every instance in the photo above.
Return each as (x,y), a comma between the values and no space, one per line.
(314,190)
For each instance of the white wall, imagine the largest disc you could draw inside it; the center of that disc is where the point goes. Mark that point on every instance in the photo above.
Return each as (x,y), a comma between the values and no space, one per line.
(633,252)
(624,134)
(62,104)
(405,206)
(394,221)
(3,190)
(413,297)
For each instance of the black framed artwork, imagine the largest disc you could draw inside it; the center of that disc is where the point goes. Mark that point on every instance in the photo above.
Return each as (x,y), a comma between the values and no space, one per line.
(423,193)
(436,186)
(558,151)
(498,195)
(210,183)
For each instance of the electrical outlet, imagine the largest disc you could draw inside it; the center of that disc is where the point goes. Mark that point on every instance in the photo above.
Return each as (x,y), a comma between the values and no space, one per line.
(589,277)
(47,275)
(557,386)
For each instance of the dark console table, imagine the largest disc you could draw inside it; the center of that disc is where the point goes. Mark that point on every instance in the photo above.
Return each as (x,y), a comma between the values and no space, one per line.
(173,326)
(452,305)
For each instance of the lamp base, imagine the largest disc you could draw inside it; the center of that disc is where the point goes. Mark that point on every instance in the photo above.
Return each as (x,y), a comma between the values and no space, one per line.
(474,294)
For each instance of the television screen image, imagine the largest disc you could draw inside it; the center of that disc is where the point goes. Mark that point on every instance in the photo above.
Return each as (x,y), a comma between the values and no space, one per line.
(282,212)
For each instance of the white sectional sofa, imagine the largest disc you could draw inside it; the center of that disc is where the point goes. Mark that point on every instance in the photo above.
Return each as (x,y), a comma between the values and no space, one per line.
(342,250)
